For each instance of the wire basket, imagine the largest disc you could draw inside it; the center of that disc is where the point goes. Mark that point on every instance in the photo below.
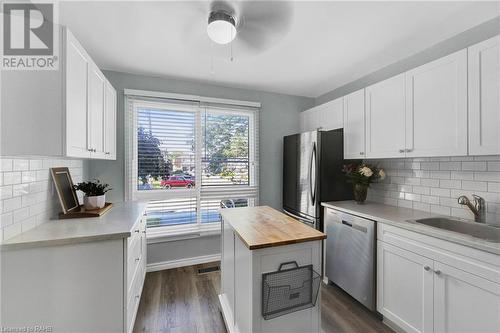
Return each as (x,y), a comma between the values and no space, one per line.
(289,290)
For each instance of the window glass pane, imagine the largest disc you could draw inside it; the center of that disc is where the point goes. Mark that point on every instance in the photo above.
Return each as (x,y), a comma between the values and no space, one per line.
(225,156)
(165,149)
(162,213)
(210,208)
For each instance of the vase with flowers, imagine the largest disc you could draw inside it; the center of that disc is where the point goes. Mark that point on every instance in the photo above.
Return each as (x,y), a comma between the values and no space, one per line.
(361,176)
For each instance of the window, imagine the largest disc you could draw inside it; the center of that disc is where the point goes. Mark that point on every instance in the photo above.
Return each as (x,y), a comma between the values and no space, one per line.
(190,160)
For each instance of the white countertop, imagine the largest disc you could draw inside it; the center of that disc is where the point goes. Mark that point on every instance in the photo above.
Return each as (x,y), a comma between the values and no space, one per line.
(115,224)
(399,217)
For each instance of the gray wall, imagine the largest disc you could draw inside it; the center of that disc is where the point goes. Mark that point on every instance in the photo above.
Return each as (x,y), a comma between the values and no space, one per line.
(183,249)
(278,117)
(472,36)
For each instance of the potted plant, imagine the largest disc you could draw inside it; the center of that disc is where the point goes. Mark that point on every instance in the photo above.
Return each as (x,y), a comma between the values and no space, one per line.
(361,176)
(95,194)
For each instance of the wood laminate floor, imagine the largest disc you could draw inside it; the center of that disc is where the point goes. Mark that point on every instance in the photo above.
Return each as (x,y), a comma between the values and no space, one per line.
(182,301)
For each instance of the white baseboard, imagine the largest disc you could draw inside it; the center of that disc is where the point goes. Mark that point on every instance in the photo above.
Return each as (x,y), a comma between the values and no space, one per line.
(159,266)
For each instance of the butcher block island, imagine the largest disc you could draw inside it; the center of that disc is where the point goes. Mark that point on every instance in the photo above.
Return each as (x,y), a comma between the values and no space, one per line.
(271,266)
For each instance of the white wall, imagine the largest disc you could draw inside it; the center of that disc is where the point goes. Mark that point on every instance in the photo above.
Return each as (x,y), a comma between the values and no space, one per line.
(27,195)
(434,184)
(183,249)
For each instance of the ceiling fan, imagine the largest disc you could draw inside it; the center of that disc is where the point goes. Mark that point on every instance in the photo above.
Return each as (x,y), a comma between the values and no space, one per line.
(249,26)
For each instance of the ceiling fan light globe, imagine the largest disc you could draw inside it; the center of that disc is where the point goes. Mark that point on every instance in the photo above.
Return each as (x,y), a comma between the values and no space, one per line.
(221,29)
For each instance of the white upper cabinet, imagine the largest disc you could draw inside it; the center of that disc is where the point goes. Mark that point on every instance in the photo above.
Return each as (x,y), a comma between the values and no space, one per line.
(328,116)
(77,66)
(385,118)
(96,111)
(436,107)
(484,97)
(332,115)
(354,125)
(61,112)
(309,120)
(110,121)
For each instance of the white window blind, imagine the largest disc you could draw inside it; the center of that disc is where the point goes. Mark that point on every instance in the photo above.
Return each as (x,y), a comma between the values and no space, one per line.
(190,159)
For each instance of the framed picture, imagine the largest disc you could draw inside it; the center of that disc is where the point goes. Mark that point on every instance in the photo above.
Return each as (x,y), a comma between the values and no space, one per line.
(65,191)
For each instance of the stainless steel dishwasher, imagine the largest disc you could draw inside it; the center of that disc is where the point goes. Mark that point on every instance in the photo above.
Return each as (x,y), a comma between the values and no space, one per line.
(350,255)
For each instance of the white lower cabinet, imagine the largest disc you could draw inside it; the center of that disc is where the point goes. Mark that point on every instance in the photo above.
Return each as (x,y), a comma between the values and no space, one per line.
(464,302)
(404,290)
(92,286)
(430,285)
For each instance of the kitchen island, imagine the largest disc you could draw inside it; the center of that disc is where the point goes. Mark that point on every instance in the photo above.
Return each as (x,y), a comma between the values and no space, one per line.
(257,241)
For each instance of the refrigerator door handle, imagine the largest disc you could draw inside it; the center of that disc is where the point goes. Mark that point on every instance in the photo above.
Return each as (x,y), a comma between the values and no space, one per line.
(312,183)
(301,219)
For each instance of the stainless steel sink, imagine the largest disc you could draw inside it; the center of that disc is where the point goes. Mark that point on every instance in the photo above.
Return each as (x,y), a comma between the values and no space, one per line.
(474,229)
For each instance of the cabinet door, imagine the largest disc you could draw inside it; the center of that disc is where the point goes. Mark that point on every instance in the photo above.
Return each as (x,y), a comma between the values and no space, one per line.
(464,302)
(96,111)
(385,118)
(436,107)
(354,125)
(110,122)
(331,115)
(405,288)
(484,97)
(77,144)
(309,120)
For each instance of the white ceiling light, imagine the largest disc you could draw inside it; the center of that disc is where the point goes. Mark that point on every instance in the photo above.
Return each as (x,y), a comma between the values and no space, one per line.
(221,27)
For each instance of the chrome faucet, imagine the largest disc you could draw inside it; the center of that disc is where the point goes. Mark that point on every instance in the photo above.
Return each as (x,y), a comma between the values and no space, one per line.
(478,208)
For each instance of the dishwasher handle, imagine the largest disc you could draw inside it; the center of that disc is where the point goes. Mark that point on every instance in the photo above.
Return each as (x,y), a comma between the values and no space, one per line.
(347,223)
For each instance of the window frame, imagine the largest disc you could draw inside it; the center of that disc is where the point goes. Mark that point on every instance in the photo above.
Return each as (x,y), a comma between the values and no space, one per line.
(199,192)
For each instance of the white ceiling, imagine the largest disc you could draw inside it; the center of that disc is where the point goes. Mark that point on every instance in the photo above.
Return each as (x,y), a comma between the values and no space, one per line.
(327,44)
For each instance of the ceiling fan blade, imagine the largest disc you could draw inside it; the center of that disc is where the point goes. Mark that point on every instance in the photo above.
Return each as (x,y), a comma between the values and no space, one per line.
(262,24)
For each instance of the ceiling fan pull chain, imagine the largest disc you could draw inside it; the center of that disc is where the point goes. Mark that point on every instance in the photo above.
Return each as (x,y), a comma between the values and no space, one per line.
(212,70)
(232,58)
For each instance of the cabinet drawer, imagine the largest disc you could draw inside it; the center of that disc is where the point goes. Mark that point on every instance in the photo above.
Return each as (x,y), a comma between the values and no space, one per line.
(471,260)
(134,297)
(134,258)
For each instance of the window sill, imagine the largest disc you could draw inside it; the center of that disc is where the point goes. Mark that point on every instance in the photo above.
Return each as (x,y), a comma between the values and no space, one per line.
(176,233)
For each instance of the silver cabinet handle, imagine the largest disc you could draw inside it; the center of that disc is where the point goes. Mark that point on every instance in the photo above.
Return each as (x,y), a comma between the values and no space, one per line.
(427,268)
(107,153)
(137,259)
(409,150)
(402,150)
(361,153)
(438,272)
(89,149)
(136,296)
(137,230)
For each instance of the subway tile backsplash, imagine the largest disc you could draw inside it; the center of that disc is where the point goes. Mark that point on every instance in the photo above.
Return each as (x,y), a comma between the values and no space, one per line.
(434,184)
(27,194)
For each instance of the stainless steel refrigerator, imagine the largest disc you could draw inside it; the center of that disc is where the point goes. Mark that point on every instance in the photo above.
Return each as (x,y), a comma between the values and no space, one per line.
(312,173)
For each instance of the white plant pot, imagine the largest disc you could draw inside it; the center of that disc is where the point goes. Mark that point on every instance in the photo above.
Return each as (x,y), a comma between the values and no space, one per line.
(95,202)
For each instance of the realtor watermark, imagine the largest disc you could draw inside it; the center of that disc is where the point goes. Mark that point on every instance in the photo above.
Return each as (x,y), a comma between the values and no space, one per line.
(30,35)
(35,328)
